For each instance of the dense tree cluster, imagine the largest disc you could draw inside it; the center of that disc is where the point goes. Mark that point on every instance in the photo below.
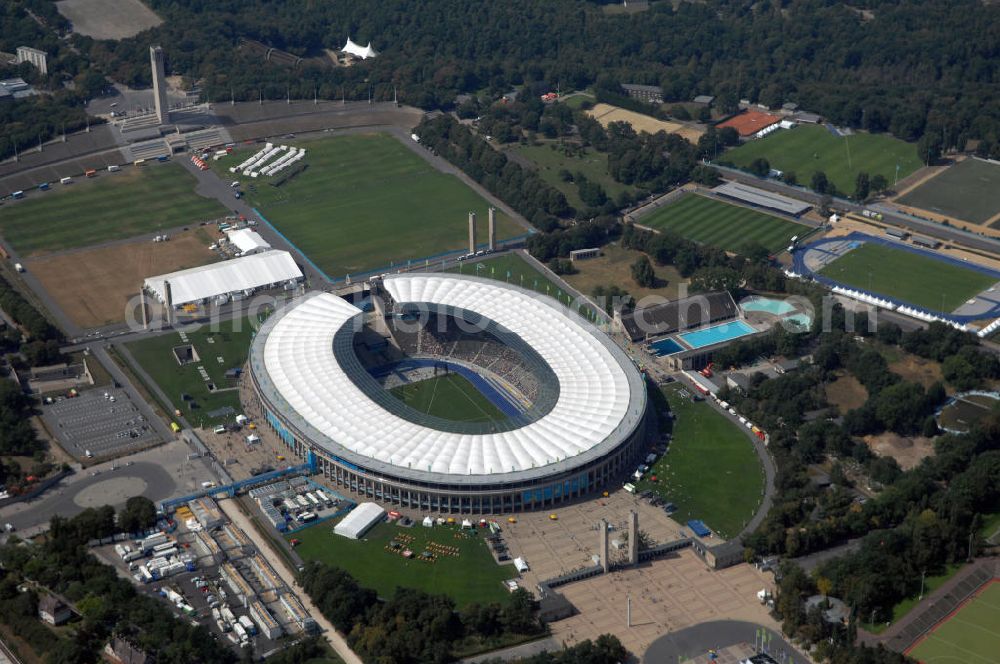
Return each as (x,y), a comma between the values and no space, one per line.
(906,67)
(24,314)
(109,604)
(412,626)
(520,188)
(607,649)
(17,437)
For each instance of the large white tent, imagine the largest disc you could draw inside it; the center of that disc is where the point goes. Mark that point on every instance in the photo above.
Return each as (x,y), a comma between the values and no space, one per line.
(361,518)
(239,275)
(358,51)
(248,241)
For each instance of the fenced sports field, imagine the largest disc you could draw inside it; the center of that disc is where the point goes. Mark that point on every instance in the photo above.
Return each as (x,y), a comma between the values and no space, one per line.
(810,148)
(966,191)
(967,636)
(365,202)
(729,227)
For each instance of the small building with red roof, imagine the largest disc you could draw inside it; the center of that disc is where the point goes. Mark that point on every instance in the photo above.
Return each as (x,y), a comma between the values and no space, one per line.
(749,123)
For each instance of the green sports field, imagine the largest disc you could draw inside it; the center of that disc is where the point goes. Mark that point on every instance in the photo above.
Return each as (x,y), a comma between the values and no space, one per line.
(471,576)
(964,191)
(367,201)
(810,148)
(230,342)
(913,278)
(451,397)
(711,471)
(112,206)
(970,636)
(728,227)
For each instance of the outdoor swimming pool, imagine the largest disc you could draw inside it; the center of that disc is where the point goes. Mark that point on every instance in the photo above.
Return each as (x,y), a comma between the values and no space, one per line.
(666,347)
(767,305)
(716,334)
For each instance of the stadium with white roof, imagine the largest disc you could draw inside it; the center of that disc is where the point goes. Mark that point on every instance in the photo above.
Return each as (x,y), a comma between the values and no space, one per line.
(575,416)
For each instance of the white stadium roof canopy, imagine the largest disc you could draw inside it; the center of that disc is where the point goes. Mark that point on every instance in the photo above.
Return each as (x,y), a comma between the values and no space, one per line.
(363,52)
(239,274)
(600,392)
(248,241)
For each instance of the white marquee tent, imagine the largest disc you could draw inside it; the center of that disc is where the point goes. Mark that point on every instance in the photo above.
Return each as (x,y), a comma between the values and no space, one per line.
(361,518)
(269,268)
(363,52)
(248,241)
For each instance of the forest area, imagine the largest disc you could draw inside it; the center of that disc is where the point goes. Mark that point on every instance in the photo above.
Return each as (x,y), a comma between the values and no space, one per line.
(910,68)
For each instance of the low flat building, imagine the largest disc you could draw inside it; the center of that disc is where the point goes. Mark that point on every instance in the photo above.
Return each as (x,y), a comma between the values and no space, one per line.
(123,651)
(247,241)
(763,199)
(53,610)
(651,94)
(297,613)
(269,627)
(207,512)
(359,521)
(751,123)
(677,316)
(707,100)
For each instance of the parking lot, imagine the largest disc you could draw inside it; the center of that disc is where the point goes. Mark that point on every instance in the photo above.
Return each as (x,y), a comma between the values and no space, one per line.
(104,423)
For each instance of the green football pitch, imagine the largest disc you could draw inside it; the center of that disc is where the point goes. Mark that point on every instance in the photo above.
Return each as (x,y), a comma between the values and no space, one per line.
(112,206)
(230,343)
(729,227)
(470,576)
(450,397)
(810,148)
(913,278)
(966,191)
(365,202)
(970,636)
(711,471)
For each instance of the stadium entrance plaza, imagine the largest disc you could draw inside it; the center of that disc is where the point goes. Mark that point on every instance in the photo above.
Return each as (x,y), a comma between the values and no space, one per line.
(666,594)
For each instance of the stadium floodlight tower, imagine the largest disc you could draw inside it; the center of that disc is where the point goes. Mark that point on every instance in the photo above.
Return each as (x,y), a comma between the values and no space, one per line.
(159,84)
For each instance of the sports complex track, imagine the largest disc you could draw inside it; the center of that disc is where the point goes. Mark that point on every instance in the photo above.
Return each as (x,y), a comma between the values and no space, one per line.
(827,255)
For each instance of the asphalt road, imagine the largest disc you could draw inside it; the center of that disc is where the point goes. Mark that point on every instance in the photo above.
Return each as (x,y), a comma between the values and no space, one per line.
(698,639)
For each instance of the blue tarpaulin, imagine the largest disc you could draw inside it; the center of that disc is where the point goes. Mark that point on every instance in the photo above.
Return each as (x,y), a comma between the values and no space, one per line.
(699,528)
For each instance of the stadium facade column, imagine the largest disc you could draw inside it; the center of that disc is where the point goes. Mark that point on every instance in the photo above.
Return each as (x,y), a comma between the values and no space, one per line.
(603,544)
(472,232)
(168,298)
(633,537)
(142,308)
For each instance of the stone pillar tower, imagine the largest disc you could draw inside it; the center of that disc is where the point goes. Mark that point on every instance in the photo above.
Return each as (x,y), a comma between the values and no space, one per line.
(633,537)
(603,544)
(472,232)
(159,84)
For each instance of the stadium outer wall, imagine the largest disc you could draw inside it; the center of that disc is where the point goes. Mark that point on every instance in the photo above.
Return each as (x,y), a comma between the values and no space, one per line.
(495,498)
(523,491)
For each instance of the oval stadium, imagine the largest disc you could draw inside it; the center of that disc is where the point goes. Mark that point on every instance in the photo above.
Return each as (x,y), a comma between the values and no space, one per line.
(451,393)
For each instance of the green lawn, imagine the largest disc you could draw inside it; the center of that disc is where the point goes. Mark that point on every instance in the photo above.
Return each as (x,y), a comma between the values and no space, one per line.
(367,201)
(472,576)
(576,102)
(965,191)
(810,148)
(914,278)
(726,226)
(112,206)
(550,159)
(969,636)
(931,583)
(513,269)
(711,471)
(155,355)
(451,397)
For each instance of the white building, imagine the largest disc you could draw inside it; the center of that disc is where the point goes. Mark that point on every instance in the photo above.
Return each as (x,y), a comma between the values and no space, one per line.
(239,276)
(248,241)
(37,58)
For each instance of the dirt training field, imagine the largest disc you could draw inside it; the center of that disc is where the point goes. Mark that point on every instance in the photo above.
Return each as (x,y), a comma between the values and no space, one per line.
(108,19)
(92,286)
(606,114)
